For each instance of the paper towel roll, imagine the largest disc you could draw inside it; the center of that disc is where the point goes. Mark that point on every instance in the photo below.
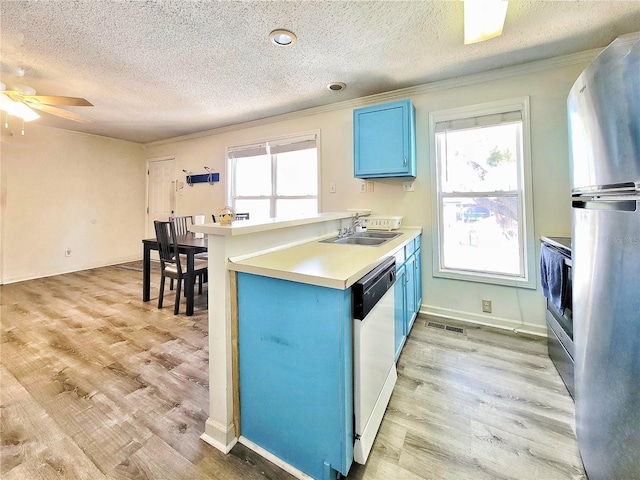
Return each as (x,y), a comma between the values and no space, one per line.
(198,220)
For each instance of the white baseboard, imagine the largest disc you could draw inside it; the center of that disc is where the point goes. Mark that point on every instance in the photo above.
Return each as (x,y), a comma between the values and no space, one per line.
(216,444)
(486,320)
(275,460)
(220,436)
(63,271)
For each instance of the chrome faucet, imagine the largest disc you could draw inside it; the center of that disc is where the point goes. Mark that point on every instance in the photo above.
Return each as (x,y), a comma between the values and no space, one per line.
(356,222)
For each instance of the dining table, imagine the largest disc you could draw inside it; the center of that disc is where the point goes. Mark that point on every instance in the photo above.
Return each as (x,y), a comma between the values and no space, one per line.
(188,245)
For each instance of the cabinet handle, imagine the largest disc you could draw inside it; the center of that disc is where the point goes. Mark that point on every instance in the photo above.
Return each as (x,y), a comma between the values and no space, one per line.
(405,161)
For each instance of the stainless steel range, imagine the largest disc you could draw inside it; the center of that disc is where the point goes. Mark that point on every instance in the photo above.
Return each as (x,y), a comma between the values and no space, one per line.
(555,272)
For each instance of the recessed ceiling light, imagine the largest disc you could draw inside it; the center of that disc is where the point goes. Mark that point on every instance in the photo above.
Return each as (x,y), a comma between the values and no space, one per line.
(337,86)
(283,38)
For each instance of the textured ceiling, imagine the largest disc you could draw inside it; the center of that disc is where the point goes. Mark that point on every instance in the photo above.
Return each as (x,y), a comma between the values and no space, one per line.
(160,69)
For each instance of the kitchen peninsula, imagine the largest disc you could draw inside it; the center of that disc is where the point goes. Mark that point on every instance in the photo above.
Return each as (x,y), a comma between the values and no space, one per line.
(290,251)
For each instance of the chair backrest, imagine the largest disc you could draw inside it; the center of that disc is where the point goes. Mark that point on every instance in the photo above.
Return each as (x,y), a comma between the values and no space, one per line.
(182,224)
(167,243)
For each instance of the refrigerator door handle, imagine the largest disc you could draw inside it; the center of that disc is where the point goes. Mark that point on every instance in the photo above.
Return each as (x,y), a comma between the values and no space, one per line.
(620,205)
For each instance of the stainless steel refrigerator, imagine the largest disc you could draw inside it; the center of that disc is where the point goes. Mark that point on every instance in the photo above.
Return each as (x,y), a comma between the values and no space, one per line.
(604,128)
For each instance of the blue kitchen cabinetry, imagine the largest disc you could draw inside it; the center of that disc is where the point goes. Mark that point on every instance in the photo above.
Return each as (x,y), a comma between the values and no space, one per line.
(384,140)
(296,380)
(408,291)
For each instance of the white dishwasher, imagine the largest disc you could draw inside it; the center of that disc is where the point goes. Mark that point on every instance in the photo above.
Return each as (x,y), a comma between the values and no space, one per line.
(374,365)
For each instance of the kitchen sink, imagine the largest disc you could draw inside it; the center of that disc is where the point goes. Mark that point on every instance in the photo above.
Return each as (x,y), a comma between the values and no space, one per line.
(372,239)
(377,234)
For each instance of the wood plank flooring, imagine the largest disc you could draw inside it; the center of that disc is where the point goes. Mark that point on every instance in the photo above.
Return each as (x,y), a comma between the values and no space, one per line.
(485,404)
(97,384)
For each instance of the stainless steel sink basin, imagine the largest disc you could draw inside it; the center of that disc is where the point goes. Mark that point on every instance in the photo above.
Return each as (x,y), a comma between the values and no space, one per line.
(377,234)
(372,239)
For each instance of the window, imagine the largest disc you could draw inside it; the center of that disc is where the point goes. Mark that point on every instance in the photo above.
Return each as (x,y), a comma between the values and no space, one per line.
(278,178)
(481,182)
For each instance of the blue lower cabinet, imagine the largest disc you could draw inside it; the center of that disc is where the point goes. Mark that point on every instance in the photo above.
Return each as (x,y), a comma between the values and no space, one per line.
(408,293)
(296,380)
(400,308)
(418,276)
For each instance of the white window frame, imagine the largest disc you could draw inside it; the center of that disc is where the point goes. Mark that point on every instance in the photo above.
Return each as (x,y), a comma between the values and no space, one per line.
(525,196)
(277,141)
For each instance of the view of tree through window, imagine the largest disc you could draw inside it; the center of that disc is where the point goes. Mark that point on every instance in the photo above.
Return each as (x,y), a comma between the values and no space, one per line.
(480,201)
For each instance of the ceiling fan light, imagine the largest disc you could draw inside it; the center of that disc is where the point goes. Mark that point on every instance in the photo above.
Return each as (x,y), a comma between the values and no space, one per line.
(483,19)
(24,112)
(6,103)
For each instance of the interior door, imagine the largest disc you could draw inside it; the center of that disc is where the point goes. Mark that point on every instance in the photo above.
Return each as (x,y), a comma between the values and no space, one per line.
(161,200)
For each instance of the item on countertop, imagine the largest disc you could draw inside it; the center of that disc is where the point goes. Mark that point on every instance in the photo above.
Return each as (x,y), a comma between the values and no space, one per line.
(226,216)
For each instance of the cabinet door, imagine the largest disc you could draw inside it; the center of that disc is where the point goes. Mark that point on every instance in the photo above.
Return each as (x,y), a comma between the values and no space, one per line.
(384,140)
(400,308)
(410,274)
(418,276)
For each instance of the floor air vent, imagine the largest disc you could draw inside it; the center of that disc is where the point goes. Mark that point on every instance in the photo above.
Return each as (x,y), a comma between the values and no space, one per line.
(448,328)
(435,325)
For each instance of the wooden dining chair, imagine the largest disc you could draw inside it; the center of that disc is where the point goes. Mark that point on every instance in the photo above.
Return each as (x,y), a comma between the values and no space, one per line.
(170,261)
(182,224)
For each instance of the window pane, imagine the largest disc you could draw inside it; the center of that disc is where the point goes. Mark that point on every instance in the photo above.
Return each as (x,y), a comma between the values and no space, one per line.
(296,207)
(257,209)
(297,173)
(481,234)
(253,175)
(480,159)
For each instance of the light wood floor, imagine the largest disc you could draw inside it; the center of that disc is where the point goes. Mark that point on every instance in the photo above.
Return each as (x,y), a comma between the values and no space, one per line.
(97,384)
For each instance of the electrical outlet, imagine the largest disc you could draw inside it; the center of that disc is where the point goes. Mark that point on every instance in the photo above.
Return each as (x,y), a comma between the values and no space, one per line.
(67,252)
(407,186)
(363,187)
(486,306)
(369,187)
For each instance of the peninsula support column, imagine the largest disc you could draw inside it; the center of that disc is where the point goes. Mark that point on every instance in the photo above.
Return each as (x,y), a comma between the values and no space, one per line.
(219,429)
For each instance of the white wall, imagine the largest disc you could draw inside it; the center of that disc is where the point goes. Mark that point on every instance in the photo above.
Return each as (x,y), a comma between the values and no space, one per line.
(546,83)
(62,190)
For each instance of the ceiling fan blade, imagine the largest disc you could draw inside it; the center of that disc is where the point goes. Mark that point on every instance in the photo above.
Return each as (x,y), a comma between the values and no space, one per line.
(13,95)
(55,100)
(60,112)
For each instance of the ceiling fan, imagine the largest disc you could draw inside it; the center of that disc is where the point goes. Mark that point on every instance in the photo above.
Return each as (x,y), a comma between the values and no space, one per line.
(14,103)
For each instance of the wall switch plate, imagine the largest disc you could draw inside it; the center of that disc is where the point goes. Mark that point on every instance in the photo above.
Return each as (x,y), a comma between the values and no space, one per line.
(407,186)
(369,187)
(332,188)
(486,306)
(67,252)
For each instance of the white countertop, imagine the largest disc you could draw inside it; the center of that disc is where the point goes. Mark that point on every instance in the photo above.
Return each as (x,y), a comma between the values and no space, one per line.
(243,227)
(330,265)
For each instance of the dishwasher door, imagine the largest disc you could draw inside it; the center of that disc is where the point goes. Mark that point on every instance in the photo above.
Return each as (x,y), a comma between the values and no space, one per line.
(374,362)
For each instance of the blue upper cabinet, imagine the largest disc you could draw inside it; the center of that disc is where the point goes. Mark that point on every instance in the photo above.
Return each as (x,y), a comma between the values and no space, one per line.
(384,140)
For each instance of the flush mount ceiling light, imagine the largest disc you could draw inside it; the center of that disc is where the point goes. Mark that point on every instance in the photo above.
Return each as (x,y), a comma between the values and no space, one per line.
(283,38)
(336,86)
(483,19)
